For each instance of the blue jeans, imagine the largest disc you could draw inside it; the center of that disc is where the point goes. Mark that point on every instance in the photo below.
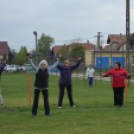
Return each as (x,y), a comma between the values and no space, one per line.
(90,81)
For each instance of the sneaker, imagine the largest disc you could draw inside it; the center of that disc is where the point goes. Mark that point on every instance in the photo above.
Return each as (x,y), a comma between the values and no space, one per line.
(74,106)
(59,107)
(33,116)
(115,106)
(2,104)
(48,115)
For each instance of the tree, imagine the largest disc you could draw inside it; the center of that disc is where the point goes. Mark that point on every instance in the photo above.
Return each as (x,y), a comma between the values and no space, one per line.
(20,57)
(44,44)
(10,56)
(77,51)
(64,51)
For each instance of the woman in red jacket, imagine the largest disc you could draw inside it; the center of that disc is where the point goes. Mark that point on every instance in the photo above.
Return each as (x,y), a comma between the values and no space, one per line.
(118,83)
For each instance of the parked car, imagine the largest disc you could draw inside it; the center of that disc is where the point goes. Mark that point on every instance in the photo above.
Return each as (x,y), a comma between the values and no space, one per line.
(5,68)
(8,68)
(12,68)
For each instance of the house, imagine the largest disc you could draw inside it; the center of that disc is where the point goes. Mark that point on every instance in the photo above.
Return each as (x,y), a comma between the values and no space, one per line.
(114,51)
(56,48)
(87,46)
(3,50)
(117,42)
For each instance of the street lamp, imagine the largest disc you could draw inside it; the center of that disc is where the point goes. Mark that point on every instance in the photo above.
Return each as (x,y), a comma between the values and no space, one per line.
(35,33)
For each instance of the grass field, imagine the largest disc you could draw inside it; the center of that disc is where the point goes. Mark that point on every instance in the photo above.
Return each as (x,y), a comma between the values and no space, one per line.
(94,114)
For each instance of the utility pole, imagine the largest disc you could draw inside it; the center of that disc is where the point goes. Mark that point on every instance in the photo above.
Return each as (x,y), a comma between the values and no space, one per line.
(127,35)
(98,40)
(35,33)
(98,48)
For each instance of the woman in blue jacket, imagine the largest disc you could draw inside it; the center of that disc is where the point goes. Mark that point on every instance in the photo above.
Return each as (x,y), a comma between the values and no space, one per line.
(65,81)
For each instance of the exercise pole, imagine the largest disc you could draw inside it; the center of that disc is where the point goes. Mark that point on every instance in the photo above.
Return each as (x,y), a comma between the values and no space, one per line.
(30,89)
(126,89)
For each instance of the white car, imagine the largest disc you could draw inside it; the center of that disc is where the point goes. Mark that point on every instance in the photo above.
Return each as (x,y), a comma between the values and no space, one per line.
(12,68)
(8,68)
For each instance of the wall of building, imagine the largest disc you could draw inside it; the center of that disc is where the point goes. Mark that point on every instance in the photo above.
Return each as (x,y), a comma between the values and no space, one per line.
(90,56)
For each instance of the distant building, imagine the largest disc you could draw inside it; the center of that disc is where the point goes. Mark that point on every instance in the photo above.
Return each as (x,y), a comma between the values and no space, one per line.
(117,42)
(114,51)
(3,50)
(87,46)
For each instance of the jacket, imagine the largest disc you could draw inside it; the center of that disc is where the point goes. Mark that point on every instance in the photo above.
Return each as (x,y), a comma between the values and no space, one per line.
(65,73)
(2,67)
(117,81)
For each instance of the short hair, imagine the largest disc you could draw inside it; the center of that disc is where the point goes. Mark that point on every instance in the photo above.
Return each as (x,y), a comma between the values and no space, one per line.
(42,62)
(118,63)
(90,65)
(66,61)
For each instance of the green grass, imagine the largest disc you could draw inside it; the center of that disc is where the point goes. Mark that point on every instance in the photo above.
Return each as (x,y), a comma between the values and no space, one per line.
(94,113)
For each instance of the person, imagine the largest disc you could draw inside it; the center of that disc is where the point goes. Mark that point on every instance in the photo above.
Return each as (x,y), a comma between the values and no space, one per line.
(1,70)
(41,84)
(118,83)
(66,82)
(90,73)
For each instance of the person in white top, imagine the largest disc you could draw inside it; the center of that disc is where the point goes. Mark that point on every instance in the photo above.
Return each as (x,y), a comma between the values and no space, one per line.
(90,73)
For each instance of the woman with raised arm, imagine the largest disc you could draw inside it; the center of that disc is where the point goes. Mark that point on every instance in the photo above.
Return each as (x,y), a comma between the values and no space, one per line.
(118,83)
(65,81)
(41,84)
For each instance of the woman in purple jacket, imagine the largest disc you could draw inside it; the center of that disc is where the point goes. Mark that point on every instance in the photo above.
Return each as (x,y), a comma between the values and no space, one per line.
(1,70)
(65,81)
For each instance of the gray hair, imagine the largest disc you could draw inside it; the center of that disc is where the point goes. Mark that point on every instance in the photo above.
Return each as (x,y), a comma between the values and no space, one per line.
(42,62)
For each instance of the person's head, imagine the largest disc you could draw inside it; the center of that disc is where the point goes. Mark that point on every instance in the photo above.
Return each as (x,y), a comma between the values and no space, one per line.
(43,64)
(90,66)
(67,63)
(117,65)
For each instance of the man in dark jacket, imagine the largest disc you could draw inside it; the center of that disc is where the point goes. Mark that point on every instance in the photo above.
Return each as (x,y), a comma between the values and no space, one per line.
(65,81)
(1,70)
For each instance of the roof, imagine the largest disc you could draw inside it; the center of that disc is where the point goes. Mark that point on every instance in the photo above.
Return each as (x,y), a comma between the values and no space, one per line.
(87,46)
(119,40)
(106,47)
(56,48)
(3,48)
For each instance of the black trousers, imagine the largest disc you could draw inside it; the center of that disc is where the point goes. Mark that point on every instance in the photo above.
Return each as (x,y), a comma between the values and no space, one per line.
(118,96)
(61,94)
(35,102)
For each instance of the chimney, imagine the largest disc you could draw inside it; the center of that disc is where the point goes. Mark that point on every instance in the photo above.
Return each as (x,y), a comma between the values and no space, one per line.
(88,41)
(120,35)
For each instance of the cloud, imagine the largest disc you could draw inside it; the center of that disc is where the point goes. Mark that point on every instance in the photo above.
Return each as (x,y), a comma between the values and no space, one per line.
(63,20)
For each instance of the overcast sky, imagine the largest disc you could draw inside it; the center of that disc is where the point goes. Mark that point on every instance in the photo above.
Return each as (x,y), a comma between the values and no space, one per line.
(64,20)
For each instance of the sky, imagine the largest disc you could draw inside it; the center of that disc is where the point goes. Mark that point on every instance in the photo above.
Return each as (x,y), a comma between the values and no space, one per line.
(64,20)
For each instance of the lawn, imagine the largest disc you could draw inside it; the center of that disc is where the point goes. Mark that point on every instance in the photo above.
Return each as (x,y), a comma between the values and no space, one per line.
(94,114)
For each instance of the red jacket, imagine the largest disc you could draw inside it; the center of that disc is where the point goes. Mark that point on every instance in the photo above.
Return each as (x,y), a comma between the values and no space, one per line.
(117,81)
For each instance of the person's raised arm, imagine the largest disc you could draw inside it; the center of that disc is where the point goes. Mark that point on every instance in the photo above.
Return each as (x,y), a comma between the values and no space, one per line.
(32,64)
(76,65)
(55,65)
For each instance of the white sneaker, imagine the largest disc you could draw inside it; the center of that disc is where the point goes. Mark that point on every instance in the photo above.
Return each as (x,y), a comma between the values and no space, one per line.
(74,106)
(59,107)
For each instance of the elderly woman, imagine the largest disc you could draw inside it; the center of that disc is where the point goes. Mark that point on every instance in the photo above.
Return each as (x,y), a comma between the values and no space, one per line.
(118,83)
(65,81)
(1,70)
(41,84)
